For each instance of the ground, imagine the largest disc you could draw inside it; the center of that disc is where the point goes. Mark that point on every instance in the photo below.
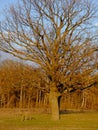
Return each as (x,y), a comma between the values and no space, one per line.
(37,119)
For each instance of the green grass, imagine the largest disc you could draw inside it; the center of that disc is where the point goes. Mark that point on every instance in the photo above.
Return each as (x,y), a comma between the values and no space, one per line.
(72,121)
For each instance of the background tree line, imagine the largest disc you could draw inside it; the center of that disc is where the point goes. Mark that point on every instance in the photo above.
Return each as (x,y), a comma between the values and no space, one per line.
(21,87)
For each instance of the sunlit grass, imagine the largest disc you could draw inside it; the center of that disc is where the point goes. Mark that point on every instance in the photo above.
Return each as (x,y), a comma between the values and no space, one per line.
(72,121)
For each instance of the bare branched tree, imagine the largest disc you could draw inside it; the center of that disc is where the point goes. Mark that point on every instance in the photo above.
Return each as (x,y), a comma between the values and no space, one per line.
(58,36)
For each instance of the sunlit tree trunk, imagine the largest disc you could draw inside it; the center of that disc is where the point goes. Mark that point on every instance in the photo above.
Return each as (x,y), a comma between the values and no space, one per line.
(8,100)
(21,97)
(29,100)
(54,105)
(54,99)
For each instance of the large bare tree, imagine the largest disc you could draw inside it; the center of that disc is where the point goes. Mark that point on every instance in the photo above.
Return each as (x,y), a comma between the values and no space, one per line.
(58,36)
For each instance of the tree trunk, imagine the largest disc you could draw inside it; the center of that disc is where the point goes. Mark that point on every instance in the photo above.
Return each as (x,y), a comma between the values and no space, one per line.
(21,98)
(54,102)
(59,101)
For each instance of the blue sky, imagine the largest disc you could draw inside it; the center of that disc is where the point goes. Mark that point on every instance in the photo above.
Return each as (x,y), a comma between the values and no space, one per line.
(5,3)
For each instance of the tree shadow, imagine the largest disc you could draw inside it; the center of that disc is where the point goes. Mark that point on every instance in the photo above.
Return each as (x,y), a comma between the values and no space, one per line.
(70,111)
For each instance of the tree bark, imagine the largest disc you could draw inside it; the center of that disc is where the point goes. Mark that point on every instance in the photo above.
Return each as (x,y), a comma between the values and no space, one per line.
(54,102)
(21,98)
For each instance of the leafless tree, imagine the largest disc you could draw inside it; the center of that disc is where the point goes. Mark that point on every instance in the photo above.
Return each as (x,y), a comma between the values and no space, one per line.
(58,36)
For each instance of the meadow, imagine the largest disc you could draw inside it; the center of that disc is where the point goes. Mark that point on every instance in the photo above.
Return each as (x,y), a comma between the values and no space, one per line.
(9,120)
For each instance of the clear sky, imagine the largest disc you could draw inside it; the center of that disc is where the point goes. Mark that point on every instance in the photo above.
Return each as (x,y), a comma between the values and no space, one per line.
(5,3)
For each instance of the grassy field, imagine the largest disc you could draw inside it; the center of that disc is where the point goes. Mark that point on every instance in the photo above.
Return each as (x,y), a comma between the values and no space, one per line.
(69,121)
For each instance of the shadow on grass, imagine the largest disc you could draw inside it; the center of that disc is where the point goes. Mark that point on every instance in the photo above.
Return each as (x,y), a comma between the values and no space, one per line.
(74,111)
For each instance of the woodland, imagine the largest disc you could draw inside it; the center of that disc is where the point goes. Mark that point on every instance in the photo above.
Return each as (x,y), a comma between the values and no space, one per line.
(23,86)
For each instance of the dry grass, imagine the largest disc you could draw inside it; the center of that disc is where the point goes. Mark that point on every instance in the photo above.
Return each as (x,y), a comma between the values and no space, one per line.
(11,119)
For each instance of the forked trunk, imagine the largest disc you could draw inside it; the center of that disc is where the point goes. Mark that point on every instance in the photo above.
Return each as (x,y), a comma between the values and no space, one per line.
(54,102)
